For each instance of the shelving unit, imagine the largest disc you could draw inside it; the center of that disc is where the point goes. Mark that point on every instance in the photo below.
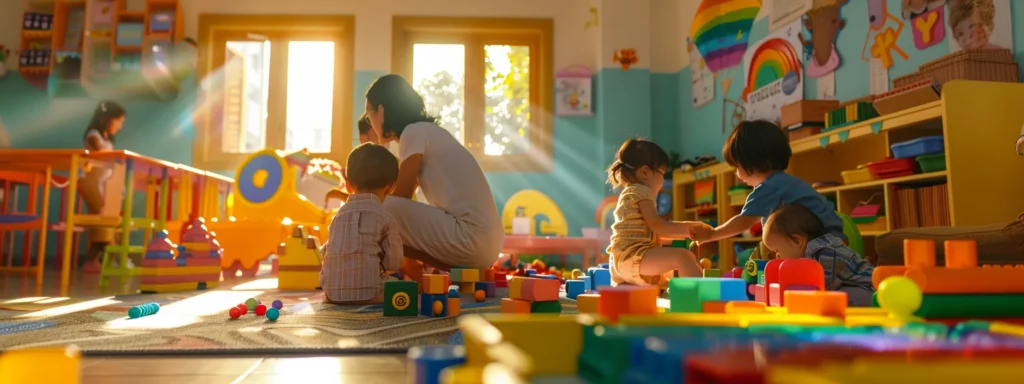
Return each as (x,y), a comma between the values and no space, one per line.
(35,46)
(984,181)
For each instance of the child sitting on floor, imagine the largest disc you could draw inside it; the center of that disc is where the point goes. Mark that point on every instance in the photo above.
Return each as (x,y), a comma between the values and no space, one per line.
(363,244)
(793,232)
(636,255)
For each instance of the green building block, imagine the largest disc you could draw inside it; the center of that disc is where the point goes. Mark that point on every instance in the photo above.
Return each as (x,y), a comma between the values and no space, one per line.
(712,272)
(401,298)
(760,277)
(546,307)
(688,294)
(972,306)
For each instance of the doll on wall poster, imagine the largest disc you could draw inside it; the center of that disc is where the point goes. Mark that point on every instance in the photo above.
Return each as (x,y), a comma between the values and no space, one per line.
(977,24)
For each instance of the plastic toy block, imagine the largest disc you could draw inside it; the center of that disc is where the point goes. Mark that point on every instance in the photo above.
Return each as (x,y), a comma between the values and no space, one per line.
(478,336)
(961,254)
(549,359)
(465,275)
(433,305)
(745,307)
(463,374)
(400,298)
(500,280)
(453,292)
(939,280)
(795,274)
(546,307)
(535,289)
(469,288)
(751,269)
(488,275)
(186,272)
(918,253)
(427,361)
(435,284)
(515,287)
(712,272)
(972,306)
(883,272)
(600,277)
(530,272)
(821,303)
(714,306)
(574,288)
(41,365)
(299,264)
(545,276)
(687,294)
(760,293)
(454,306)
(627,300)
(587,302)
(486,286)
(588,283)
(515,306)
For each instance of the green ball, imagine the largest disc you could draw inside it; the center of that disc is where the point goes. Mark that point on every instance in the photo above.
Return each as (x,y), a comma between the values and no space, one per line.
(251,303)
(273,313)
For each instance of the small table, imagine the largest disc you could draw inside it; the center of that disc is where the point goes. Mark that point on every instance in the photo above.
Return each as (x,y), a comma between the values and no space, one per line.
(520,244)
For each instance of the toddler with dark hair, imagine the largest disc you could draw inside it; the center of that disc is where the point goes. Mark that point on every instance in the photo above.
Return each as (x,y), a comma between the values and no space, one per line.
(794,232)
(363,243)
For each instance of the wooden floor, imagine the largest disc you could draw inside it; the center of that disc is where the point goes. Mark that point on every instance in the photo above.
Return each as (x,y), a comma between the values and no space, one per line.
(224,369)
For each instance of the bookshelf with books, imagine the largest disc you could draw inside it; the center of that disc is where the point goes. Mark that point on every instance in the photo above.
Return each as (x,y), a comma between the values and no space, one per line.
(979,184)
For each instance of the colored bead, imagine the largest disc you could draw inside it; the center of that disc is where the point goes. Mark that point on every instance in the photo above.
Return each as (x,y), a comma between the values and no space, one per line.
(273,314)
(235,313)
(261,310)
(277,304)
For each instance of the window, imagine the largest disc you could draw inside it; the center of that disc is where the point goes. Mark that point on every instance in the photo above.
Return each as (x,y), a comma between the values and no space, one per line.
(265,83)
(487,80)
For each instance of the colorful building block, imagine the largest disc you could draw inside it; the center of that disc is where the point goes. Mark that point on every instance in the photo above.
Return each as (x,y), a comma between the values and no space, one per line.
(427,361)
(469,287)
(454,306)
(546,307)
(535,289)
(465,275)
(820,303)
(500,280)
(790,275)
(712,272)
(41,365)
(488,275)
(515,287)
(515,306)
(299,264)
(600,277)
(574,288)
(587,302)
(627,300)
(548,359)
(198,267)
(486,286)
(588,282)
(433,305)
(435,284)
(400,298)
(530,272)
(687,294)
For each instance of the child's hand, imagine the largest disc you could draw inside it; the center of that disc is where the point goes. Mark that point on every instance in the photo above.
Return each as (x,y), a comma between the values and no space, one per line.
(701,232)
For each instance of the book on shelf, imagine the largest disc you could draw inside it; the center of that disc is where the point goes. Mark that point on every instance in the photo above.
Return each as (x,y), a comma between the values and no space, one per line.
(922,206)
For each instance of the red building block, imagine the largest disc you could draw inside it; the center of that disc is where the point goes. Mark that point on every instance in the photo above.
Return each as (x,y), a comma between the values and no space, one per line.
(797,274)
(515,306)
(535,289)
(627,300)
(500,280)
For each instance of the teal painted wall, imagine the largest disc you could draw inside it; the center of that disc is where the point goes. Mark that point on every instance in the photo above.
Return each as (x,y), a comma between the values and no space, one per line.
(701,128)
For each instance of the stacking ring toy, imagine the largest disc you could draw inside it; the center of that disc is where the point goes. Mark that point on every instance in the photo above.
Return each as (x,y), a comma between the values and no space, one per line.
(261,177)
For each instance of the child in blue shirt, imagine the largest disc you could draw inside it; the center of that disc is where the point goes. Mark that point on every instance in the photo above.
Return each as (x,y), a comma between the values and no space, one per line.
(760,152)
(794,232)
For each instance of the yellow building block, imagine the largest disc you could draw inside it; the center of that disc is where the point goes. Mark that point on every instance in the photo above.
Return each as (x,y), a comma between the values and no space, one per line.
(465,275)
(787,319)
(435,284)
(515,287)
(298,266)
(41,365)
(462,375)
(477,336)
(467,287)
(587,302)
(1006,329)
(682,319)
(557,358)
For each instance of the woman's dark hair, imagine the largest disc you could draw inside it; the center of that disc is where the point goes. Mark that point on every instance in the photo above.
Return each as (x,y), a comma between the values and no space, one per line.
(757,146)
(794,219)
(101,117)
(633,155)
(364,124)
(402,105)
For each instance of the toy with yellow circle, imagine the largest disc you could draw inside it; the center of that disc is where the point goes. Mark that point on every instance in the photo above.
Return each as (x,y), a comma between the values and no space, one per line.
(274,193)
(544,216)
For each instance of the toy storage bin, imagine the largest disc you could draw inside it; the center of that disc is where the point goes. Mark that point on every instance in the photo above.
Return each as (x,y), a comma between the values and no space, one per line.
(918,147)
(932,163)
(890,168)
(859,175)
(738,194)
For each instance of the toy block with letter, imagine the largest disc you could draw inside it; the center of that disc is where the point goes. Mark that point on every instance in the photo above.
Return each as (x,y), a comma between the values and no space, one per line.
(400,298)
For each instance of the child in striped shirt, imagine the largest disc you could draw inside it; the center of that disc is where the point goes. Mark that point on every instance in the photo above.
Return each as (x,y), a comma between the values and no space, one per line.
(794,232)
(363,242)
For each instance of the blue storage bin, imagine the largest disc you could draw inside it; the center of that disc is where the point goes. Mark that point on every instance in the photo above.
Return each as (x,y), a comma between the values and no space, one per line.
(918,147)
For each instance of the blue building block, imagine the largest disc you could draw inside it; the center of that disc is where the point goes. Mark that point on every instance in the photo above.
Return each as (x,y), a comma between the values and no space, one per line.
(160,255)
(574,288)
(486,286)
(427,305)
(605,266)
(453,292)
(587,283)
(427,361)
(546,276)
(531,272)
(599,277)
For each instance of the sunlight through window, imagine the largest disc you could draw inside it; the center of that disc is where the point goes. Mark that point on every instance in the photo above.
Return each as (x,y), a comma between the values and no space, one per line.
(72,308)
(310,95)
(507,91)
(246,84)
(439,73)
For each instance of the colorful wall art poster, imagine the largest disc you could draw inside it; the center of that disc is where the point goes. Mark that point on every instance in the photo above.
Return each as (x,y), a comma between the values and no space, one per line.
(572,91)
(824,23)
(774,74)
(783,12)
(929,28)
(974,24)
(702,81)
(884,31)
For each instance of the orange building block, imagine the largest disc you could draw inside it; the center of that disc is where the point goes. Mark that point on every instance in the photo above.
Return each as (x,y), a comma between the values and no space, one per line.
(627,300)
(745,307)
(467,287)
(883,272)
(435,284)
(587,302)
(488,275)
(714,306)
(515,306)
(515,287)
(918,253)
(939,280)
(961,253)
(454,306)
(821,303)
(535,289)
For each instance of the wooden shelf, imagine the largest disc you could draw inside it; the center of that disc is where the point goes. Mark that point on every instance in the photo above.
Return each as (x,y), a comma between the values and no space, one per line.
(919,177)
(131,15)
(37,35)
(929,115)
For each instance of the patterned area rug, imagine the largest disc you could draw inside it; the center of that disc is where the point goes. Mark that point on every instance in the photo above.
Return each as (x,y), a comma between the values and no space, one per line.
(198,322)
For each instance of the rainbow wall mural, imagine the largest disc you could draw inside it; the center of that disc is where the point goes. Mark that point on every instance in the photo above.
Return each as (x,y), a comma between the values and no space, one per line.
(774,76)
